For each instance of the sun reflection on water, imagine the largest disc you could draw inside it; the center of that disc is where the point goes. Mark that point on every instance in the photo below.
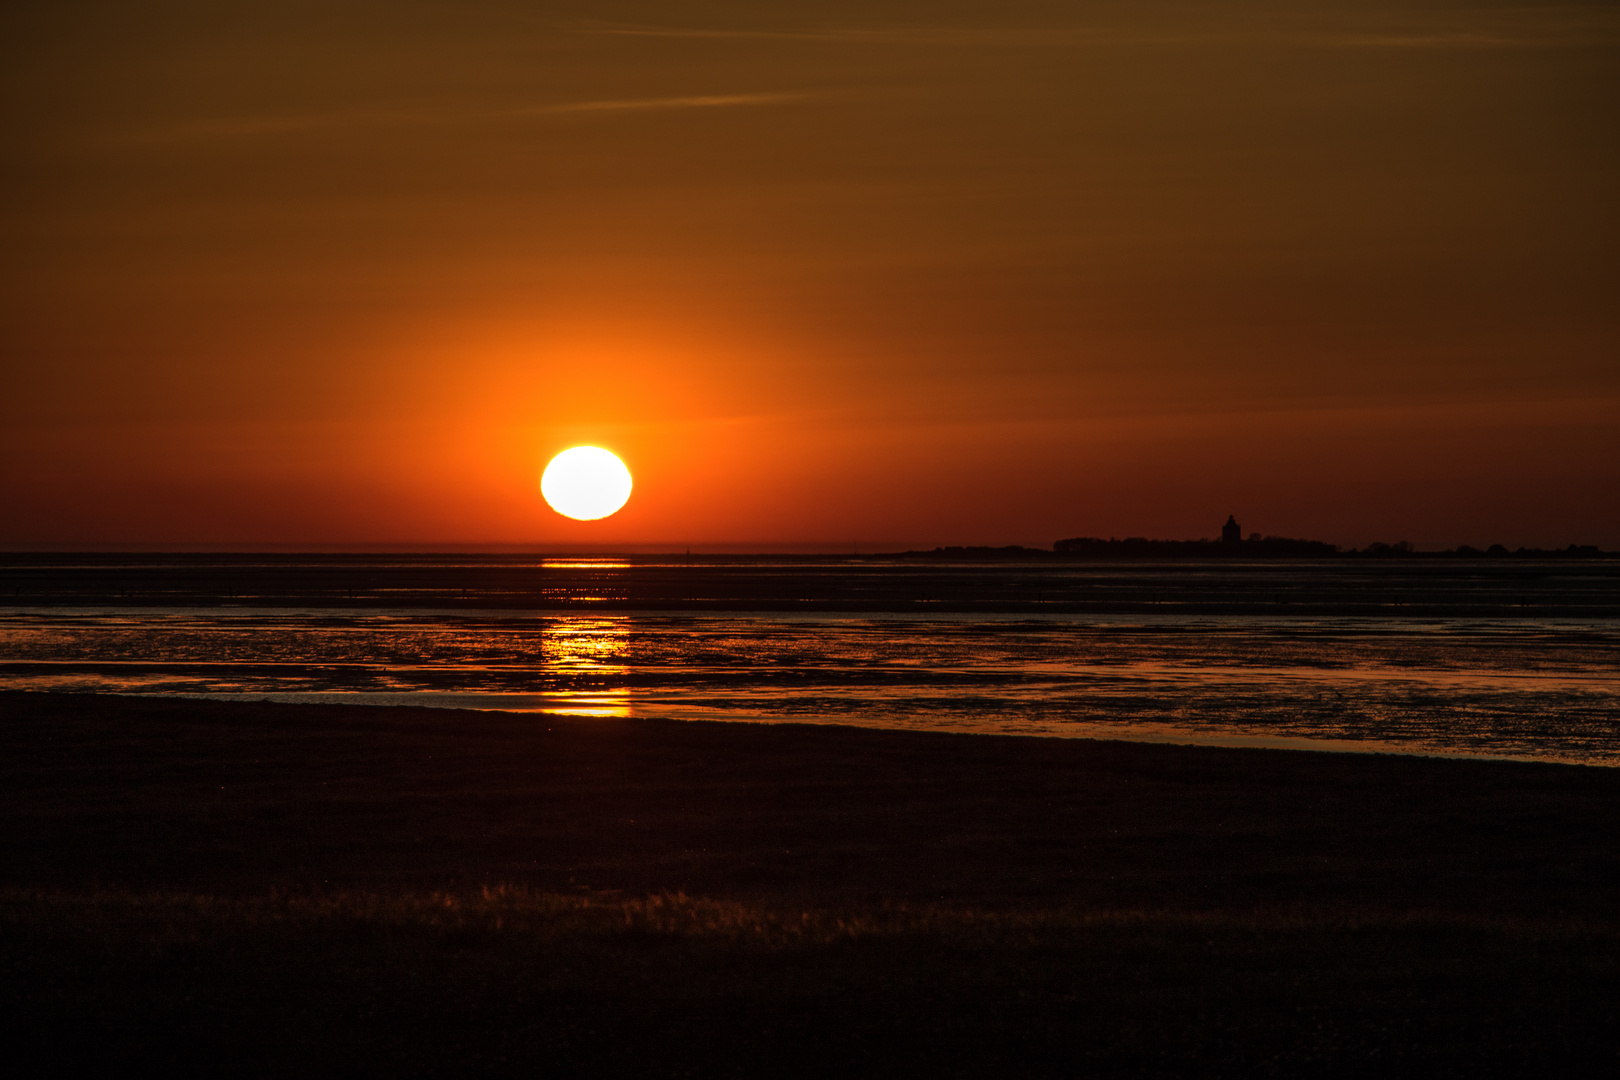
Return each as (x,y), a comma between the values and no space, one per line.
(607,704)
(583,647)
(586,645)
(1544,689)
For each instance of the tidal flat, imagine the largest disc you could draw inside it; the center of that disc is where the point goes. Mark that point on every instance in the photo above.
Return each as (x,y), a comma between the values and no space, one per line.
(1508,658)
(262,889)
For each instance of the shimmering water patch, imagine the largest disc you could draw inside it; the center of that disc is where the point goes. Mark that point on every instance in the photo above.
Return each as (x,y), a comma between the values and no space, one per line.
(1544,689)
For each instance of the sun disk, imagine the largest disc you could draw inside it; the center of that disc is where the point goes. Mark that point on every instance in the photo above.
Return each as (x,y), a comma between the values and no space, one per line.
(586,483)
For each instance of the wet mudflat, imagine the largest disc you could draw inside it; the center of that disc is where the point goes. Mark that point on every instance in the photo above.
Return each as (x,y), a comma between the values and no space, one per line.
(1536,689)
(264,888)
(1506,657)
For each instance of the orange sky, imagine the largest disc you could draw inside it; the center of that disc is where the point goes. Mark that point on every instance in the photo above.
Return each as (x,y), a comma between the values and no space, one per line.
(862,272)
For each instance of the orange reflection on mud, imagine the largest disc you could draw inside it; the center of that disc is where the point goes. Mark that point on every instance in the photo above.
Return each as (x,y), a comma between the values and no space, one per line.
(587,648)
(605,704)
(584,645)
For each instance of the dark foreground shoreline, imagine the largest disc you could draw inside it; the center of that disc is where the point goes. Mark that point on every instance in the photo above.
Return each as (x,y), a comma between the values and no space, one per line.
(270,889)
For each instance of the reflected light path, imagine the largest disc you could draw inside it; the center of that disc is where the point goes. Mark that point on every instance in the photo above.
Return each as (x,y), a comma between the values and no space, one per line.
(1546,689)
(587,647)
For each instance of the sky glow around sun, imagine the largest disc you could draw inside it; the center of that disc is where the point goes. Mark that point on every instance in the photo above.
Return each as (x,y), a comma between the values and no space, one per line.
(586,483)
(918,274)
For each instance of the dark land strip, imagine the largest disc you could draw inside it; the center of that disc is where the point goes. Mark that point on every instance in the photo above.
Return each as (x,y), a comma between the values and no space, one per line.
(1584,588)
(268,889)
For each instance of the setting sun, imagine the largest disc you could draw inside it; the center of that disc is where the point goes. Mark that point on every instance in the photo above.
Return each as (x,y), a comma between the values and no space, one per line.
(586,483)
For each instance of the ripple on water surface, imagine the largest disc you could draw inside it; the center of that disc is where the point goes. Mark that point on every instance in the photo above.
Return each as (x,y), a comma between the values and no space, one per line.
(1528,688)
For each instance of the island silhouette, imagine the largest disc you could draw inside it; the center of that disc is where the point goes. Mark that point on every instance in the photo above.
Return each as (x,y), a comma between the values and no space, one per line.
(1233,545)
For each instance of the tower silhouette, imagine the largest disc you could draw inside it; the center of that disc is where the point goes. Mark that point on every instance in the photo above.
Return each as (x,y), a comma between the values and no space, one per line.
(1231,532)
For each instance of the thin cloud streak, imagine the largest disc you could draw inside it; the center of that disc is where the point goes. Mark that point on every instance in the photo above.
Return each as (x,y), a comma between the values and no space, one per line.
(1600,31)
(708,101)
(1033,36)
(248,126)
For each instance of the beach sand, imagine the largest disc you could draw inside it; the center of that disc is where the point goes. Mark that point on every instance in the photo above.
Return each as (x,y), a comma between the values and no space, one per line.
(264,889)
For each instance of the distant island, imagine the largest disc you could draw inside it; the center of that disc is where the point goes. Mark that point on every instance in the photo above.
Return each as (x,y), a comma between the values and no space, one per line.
(1233,545)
